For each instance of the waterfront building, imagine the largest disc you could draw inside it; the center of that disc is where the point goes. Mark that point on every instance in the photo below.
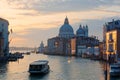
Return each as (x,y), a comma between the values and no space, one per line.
(46,50)
(84,45)
(101,49)
(58,46)
(112,44)
(73,46)
(41,48)
(1,44)
(114,25)
(68,43)
(4,35)
(111,38)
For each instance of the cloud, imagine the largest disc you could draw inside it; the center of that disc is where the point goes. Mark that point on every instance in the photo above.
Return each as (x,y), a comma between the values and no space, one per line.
(110,9)
(53,5)
(28,14)
(109,5)
(37,20)
(33,36)
(96,25)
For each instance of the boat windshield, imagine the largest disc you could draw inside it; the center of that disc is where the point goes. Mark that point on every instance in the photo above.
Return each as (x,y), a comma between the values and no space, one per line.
(36,67)
(115,67)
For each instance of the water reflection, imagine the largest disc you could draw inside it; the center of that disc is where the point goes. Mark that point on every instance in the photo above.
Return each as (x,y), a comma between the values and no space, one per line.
(3,68)
(71,68)
(105,66)
(38,77)
(114,78)
(61,68)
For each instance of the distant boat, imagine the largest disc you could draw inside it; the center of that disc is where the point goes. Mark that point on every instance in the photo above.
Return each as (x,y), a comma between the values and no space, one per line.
(115,69)
(39,67)
(12,59)
(34,51)
(27,53)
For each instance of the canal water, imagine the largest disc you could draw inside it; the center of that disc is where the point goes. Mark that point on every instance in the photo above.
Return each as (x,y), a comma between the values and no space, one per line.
(61,68)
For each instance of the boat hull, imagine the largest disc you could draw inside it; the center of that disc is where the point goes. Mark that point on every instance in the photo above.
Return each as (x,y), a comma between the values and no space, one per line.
(114,73)
(115,69)
(39,72)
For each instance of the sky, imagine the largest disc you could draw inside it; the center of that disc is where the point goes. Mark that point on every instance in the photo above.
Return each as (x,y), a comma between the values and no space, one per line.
(33,21)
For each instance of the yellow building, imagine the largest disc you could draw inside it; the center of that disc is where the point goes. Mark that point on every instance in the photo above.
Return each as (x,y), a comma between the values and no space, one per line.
(73,46)
(112,44)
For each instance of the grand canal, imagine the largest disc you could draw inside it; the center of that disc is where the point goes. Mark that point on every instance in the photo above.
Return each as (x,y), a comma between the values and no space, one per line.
(61,68)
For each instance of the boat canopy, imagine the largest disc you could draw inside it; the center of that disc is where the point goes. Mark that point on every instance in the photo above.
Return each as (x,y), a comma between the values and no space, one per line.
(39,62)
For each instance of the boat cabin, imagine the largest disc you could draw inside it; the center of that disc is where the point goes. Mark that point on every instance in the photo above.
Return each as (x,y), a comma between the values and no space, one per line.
(40,66)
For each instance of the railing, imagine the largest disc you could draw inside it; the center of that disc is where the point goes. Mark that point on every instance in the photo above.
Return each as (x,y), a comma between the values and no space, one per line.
(110,40)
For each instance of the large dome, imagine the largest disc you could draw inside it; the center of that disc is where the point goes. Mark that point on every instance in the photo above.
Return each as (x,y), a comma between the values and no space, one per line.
(66,30)
(80,31)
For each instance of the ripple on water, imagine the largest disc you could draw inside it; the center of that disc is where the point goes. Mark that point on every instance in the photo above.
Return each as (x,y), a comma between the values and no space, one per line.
(62,68)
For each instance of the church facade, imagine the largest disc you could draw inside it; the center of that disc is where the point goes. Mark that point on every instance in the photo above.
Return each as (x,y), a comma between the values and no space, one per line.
(68,43)
(41,47)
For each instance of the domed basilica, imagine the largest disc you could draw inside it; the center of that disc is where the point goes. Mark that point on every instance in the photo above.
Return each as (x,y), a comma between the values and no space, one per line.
(66,30)
(82,31)
(68,43)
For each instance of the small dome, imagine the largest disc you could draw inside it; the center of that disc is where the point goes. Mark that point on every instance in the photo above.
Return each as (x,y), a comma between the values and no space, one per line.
(66,30)
(80,31)
(41,44)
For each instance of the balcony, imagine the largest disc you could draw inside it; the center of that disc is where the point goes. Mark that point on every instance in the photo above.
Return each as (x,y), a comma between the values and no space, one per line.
(110,50)
(110,40)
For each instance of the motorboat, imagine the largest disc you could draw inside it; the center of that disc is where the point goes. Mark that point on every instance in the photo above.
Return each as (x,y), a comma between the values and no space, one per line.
(115,69)
(39,67)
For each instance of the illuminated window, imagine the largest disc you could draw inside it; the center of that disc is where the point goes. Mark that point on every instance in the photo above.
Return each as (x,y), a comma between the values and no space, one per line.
(56,44)
(110,47)
(110,37)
